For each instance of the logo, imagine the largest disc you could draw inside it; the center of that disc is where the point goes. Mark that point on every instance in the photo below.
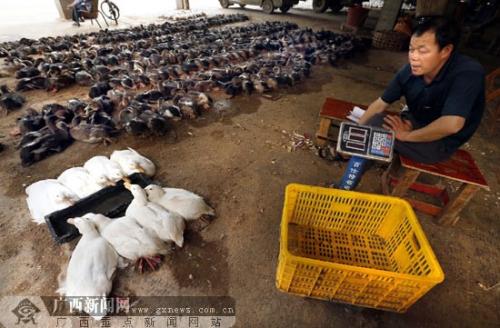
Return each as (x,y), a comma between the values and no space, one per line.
(25,311)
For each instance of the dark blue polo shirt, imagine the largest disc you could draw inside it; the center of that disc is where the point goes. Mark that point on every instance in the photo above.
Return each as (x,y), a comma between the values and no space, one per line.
(458,89)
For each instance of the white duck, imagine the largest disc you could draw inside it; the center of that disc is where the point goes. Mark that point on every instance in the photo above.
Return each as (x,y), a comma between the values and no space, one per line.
(92,266)
(79,181)
(47,196)
(104,171)
(166,225)
(188,204)
(129,239)
(132,162)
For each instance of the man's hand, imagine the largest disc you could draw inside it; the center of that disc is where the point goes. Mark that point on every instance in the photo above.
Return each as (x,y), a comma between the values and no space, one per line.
(401,128)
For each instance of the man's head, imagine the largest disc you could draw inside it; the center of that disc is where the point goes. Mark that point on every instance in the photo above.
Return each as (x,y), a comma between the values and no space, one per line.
(431,44)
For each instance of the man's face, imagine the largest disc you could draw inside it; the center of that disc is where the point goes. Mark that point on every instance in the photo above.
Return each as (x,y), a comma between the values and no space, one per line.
(424,55)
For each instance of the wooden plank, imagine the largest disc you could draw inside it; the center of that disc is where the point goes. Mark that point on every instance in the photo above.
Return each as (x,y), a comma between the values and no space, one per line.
(385,180)
(337,109)
(460,167)
(322,133)
(387,176)
(457,203)
(424,207)
(333,140)
(407,179)
(438,192)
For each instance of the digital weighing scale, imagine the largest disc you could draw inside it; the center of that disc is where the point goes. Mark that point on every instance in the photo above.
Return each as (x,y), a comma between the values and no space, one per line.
(366,141)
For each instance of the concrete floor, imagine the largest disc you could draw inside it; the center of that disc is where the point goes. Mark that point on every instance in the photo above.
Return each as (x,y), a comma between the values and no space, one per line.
(239,162)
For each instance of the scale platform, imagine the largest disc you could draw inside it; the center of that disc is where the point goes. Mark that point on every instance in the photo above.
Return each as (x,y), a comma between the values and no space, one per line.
(366,141)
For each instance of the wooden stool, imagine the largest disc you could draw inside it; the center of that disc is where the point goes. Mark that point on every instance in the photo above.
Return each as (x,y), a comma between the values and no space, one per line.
(460,167)
(333,112)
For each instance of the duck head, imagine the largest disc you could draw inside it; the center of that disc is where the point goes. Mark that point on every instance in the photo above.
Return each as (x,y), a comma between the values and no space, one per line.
(84,225)
(102,180)
(116,174)
(99,220)
(62,197)
(154,191)
(138,193)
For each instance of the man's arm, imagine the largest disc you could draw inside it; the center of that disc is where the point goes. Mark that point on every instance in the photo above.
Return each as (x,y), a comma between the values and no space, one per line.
(438,129)
(378,106)
(392,93)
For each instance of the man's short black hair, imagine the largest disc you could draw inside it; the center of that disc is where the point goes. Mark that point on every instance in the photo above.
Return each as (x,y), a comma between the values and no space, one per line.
(445,30)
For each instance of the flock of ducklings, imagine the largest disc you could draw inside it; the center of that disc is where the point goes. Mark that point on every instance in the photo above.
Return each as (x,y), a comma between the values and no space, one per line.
(142,78)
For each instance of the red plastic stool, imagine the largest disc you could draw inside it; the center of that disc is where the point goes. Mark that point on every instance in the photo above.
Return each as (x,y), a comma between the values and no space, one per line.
(460,167)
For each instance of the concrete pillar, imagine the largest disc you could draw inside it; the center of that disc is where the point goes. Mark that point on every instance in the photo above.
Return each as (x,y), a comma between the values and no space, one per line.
(62,8)
(182,4)
(388,15)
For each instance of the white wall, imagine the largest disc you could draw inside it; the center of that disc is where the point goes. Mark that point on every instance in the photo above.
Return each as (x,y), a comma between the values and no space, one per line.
(37,18)
(33,11)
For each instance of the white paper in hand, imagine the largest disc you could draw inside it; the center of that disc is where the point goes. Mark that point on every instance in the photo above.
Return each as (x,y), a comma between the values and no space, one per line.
(355,114)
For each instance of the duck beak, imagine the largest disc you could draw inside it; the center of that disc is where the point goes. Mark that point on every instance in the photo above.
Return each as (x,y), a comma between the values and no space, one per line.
(69,199)
(110,183)
(139,169)
(127,185)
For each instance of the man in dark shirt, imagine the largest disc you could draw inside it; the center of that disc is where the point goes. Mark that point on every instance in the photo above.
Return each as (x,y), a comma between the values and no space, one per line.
(444,92)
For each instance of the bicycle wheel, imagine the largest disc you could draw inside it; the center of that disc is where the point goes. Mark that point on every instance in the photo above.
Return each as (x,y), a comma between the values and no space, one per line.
(110,10)
(320,6)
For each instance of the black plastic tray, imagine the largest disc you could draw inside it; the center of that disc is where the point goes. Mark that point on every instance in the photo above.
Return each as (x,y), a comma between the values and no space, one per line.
(110,201)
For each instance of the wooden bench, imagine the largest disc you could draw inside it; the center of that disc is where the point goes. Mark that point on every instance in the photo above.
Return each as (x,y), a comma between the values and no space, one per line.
(332,113)
(460,167)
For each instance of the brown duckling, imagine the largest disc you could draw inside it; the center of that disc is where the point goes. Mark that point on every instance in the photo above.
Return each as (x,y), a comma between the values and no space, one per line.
(188,106)
(58,111)
(32,83)
(119,98)
(103,103)
(131,122)
(54,138)
(170,111)
(150,96)
(54,84)
(127,83)
(142,80)
(77,106)
(82,131)
(84,78)
(31,121)
(10,100)
(27,72)
(99,89)
(157,124)
(203,100)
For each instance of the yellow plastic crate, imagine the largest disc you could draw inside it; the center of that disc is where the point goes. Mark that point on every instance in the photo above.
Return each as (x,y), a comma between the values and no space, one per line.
(351,247)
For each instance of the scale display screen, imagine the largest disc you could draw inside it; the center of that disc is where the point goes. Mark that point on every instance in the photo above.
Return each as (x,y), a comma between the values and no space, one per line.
(366,141)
